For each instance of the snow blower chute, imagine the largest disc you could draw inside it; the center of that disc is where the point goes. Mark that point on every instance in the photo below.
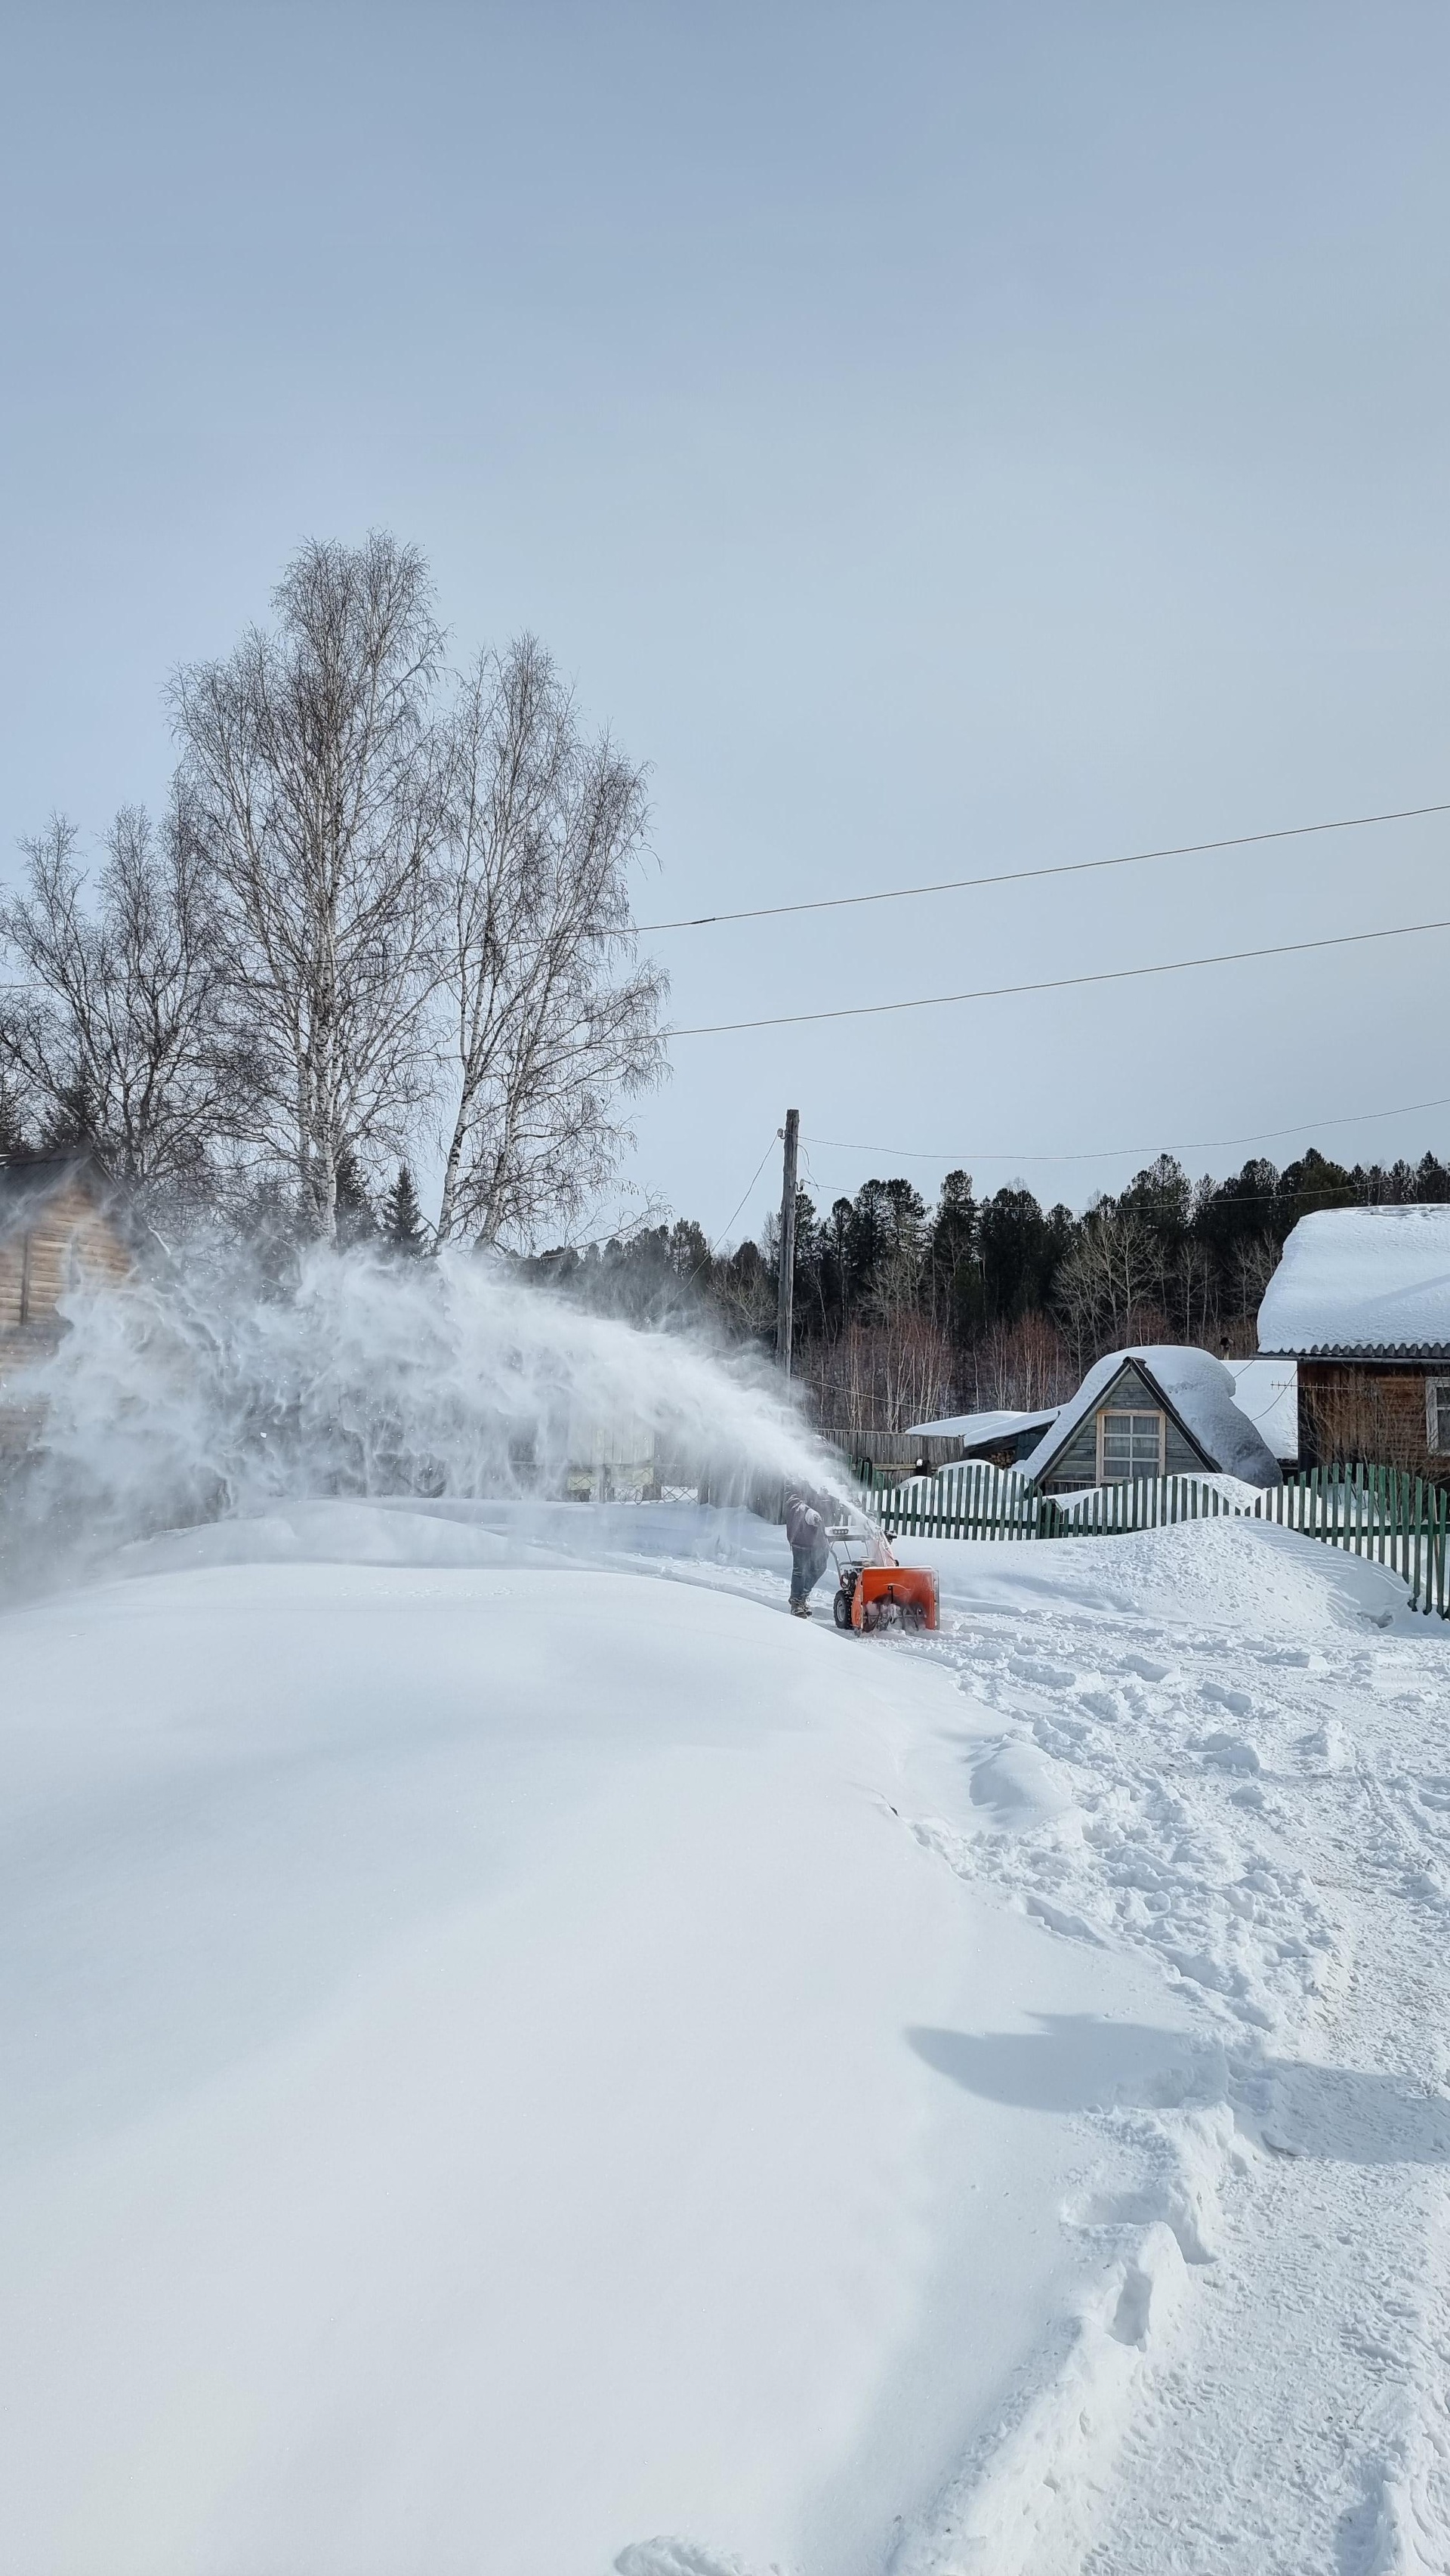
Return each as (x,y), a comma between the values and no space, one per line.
(881,1594)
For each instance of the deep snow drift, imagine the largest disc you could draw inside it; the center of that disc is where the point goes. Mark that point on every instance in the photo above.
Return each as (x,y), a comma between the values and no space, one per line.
(523,2057)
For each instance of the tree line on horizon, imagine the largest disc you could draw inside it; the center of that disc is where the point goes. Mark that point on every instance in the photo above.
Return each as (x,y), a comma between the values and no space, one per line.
(906,1312)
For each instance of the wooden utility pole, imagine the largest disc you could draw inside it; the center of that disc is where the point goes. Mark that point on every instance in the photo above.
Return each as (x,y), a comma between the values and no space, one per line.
(785,1287)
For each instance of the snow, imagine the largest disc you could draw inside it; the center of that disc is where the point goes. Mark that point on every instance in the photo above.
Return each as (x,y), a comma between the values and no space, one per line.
(1082,1501)
(1268,1392)
(981,1430)
(1362,1279)
(522,2056)
(1201,1392)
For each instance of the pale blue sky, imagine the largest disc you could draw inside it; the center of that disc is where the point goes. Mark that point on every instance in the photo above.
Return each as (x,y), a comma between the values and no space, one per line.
(936,438)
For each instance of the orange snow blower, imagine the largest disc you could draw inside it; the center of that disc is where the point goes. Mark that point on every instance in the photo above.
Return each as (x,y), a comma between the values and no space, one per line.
(884,1594)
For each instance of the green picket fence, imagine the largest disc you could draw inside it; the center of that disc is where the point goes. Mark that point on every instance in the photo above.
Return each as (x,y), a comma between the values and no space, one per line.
(968,1500)
(1380,1512)
(1397,1519)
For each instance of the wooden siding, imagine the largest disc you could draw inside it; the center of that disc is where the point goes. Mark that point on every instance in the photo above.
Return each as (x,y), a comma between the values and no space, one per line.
(1130,1392)
(1369,1411)
(64,1240)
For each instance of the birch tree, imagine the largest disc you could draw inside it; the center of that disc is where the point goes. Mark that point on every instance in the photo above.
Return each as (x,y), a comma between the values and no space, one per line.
(551,1023)
(309,757)
(114,1037)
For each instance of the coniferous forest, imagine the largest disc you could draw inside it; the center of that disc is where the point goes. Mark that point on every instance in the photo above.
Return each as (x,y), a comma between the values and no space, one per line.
(905,1311)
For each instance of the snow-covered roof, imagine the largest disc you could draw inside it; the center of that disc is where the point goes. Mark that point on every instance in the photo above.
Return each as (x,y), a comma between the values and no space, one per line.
(1362,1279)
(1268,1392)
(977,1429)
(1200,1391)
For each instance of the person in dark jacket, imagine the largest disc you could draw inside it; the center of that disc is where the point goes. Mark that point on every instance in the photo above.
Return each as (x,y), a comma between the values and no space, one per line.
(806,1515)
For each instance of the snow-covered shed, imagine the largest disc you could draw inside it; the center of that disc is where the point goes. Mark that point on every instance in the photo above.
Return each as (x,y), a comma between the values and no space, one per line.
(1361,1301)
(1003,1437)
(61,1221)
(1158,1410)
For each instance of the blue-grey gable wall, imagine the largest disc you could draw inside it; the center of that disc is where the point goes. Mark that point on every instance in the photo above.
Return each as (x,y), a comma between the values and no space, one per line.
(1077,1464)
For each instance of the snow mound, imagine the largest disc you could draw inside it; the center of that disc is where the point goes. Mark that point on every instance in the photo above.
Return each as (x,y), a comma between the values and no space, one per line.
(1235,1574)
(460,2105)
(669,2556)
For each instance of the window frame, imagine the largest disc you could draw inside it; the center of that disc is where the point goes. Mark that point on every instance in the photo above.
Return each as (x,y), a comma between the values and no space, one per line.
(1135,1413)
(1437,1416)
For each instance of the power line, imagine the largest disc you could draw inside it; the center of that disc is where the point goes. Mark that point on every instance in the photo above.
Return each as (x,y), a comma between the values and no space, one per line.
(735,1211)
(1023,876)
(1113,1153)
(1056,983)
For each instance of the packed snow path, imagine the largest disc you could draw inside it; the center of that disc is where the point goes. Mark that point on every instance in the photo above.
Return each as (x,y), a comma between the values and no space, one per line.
(1234,1755)
(854,2106)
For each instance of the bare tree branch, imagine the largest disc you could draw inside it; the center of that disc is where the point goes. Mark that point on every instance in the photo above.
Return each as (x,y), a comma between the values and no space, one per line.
(551,1022)
(117,1042)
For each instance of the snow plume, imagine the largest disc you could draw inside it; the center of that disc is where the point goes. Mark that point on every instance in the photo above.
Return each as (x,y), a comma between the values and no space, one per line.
(211,1390)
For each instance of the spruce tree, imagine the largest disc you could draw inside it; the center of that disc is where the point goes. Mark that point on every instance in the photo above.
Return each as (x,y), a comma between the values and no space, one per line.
(355,1218)
(402,1216)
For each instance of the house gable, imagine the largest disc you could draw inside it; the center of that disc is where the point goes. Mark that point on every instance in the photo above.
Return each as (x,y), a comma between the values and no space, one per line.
(1131,1390)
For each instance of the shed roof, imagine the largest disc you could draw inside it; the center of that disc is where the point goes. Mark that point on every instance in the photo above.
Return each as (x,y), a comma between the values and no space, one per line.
(29,1181)
(977,1429)
(1361,1281)
(1195,1387)
(27,1177)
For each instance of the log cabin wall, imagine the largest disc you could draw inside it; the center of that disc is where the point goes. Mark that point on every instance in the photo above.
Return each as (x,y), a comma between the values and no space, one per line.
(64,1237)
(1371,1412)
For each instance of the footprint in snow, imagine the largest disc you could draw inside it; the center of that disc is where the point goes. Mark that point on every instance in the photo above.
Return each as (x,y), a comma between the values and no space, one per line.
(1230,1753)
(1220,1693)
(1146,1669)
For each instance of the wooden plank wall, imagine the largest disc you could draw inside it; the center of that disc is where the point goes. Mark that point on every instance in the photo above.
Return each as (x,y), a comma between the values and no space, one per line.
(69,1239)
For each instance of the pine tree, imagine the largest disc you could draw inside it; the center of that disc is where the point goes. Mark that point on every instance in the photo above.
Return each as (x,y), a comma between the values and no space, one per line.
(402,1216)
(76,1120)
(355,1219)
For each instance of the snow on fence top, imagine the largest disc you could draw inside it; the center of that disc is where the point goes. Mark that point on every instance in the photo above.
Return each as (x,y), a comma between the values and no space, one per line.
(1200,1391)
(1362,1279)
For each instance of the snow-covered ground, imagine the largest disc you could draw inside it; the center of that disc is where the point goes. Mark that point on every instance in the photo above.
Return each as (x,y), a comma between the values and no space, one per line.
(522,2058)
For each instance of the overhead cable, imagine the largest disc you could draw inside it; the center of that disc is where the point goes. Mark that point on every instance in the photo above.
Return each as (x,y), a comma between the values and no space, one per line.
(1024,876)
(1115,1153)
(1055,983)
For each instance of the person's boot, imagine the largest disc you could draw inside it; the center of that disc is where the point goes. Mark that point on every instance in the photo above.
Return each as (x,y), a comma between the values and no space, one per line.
(800,1609)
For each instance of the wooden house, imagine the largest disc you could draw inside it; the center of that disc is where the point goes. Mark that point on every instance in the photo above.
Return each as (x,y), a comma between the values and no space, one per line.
(1361,1300)
(1161,1410)
(62,1223)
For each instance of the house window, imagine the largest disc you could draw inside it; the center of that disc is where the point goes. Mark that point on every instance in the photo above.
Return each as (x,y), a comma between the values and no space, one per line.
(1437,1416)
(1131,1444)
